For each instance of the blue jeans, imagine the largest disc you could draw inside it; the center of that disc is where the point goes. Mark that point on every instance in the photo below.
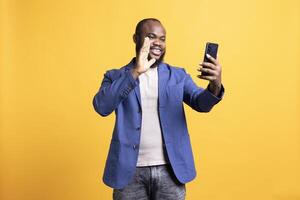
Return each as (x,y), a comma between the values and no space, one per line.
(152,183)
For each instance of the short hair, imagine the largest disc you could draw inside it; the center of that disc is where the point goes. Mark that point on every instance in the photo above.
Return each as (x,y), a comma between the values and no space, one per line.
(139,26)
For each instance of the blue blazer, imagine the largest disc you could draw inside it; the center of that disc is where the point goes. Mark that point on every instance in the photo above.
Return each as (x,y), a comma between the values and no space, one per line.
(120,92)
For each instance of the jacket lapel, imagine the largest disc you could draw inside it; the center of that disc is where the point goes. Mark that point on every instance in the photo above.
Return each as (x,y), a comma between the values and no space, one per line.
(163,76)
(137,88)
(138,94)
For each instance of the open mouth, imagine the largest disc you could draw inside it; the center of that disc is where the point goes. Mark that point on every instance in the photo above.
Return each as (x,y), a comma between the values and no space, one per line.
(156,51)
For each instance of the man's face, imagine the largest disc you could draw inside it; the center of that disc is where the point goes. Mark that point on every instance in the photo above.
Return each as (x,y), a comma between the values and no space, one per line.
(157,35)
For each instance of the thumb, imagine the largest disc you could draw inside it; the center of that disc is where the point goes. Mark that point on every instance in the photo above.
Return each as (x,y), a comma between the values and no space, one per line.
(151,62)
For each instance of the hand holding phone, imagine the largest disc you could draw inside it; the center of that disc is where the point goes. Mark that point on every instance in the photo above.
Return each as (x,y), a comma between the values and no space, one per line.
(211,69)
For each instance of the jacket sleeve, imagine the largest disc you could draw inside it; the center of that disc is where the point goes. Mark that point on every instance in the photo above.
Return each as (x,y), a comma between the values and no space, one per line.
(200,99)
(115,87)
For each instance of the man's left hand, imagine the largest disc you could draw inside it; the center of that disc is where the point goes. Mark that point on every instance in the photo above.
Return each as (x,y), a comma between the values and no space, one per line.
(213,72)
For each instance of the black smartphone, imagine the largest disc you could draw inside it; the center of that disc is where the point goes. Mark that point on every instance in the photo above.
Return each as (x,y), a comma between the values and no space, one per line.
(212,50)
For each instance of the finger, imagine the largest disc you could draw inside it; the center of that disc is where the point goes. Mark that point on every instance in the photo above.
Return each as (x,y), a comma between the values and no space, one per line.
(212,59)
(206,70)
(151,62)
(208,65)
(146,44)
(209,78)
(145,49)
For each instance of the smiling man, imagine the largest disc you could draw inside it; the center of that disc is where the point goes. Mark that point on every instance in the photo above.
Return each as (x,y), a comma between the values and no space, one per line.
(155,32)
(150,155)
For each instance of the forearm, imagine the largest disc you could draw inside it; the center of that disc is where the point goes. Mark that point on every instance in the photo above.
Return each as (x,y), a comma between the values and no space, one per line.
(112,93)
(206,99)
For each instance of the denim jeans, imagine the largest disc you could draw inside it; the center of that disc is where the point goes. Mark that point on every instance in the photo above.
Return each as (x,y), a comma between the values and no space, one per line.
(152,183)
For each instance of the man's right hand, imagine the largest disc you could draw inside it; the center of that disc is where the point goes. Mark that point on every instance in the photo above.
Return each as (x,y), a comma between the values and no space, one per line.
(142,62)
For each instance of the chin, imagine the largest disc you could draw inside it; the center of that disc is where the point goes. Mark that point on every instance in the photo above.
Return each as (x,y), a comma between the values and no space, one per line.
(159,59)
(156,57)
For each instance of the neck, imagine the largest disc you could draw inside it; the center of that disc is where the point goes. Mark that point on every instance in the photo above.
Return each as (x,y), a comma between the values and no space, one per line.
(154,66)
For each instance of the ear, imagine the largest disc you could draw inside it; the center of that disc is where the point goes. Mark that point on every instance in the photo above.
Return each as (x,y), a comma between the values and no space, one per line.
(135,38)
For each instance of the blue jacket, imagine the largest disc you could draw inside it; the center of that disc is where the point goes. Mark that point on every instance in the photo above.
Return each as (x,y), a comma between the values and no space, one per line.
(119,92)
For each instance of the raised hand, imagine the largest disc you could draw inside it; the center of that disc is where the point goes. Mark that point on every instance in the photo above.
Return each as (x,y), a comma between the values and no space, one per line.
(142,62)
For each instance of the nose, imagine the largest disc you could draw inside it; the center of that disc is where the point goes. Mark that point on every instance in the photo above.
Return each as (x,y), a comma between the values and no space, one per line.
(156,42)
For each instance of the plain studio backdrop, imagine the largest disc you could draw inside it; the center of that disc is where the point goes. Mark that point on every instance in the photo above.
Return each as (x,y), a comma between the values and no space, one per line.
(53,57)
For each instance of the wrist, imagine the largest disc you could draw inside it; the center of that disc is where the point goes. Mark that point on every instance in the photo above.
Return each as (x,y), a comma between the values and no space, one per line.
(215,88)
(215,84)
(135,73)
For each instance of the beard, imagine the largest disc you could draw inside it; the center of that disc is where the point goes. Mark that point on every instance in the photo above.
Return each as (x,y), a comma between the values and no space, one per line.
(139,45)
(157,61)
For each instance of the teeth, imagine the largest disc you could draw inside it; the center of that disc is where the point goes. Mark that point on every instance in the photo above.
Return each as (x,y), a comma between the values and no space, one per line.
(156,48)
(156,51)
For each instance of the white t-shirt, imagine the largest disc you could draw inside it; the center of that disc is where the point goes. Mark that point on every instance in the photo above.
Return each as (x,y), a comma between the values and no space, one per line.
(151,150)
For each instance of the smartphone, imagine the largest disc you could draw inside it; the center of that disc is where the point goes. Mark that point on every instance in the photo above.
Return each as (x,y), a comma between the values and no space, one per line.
(212,50)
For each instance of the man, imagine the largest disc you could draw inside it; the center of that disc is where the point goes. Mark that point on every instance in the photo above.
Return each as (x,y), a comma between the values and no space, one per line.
(150,155)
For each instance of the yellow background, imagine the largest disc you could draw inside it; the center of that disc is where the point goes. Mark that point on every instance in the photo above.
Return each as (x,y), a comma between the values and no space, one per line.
(54,54)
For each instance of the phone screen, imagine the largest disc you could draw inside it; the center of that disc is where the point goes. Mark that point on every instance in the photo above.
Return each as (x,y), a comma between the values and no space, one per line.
(211,49)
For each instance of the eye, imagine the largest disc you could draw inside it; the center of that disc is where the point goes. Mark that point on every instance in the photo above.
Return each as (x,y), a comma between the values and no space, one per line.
(163,39)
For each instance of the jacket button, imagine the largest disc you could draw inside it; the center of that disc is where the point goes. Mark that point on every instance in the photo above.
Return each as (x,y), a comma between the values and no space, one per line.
(134,146)
(138,128)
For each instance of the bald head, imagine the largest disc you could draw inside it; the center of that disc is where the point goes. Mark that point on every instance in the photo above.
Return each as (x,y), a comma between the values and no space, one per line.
(139,26)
